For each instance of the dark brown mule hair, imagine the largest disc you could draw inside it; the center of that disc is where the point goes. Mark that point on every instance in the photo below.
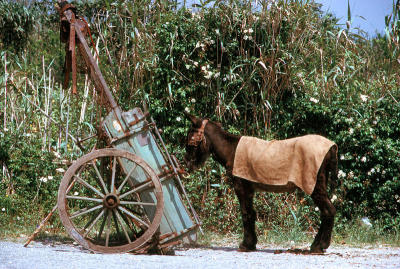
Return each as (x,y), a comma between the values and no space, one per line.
(221,145)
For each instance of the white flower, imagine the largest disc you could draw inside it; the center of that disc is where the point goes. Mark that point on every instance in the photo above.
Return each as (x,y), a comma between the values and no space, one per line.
(5,129)
(178,119)
(50,177)
(57,154)
(334,197)
(245,37)
(317,209)
(312,99)
(351,174)
(370,172)
(18,218)
(364,159)
(43,179)
(216,75)
(250,31)
(193,100)
(342,157)
(76,193)
(341,174)
(187,109)
(3,209)
(203,68)
(363,97)
(209,75)
(374,122)
(351,130)
(60,170)
(217,31)
(199,44)
(196,64)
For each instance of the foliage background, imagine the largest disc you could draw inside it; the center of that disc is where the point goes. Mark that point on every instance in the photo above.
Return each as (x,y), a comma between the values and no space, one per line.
(272,69)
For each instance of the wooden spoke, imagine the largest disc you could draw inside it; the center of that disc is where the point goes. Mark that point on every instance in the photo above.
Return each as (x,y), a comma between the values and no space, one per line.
(108,228)
(103,223)
(71,185)
(99,176)
(94,222)
(126,178)
(84,198)
(83,182)
(122,225)
(126,211)
(116,223)
(136,203)
(85,211)
(145,185)
(112,189)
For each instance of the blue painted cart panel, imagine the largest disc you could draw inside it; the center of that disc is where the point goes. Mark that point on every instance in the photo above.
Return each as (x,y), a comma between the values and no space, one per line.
(126,132)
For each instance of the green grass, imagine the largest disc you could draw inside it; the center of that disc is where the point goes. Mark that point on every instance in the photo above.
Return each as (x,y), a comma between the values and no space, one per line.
(349,234)
(358,235)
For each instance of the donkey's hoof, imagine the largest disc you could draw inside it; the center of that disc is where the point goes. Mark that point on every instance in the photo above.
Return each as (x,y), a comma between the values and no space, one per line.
(316,250)
(243,248)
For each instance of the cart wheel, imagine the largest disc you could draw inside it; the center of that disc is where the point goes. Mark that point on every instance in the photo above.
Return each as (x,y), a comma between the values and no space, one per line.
(110,201)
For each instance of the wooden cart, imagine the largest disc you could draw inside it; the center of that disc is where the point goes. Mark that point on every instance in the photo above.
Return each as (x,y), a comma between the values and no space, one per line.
(128,197)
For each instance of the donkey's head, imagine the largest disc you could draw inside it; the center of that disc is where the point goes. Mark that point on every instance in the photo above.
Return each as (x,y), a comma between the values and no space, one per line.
(196,144)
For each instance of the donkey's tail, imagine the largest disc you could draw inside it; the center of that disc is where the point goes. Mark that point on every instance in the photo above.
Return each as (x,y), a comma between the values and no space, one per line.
(333,167)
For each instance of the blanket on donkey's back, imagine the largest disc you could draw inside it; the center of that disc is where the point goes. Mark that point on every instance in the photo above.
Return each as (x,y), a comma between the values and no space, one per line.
(281,162)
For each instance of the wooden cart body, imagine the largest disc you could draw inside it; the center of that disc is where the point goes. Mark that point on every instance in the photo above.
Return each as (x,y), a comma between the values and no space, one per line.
(138,138)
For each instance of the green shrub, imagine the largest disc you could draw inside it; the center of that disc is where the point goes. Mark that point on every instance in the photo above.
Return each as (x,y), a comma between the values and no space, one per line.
(16,23)
(32,182)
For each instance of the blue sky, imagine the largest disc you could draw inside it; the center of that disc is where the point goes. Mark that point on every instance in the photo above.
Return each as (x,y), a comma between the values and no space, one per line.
(373,11)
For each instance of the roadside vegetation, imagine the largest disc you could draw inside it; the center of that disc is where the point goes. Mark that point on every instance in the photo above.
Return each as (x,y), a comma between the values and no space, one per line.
(272,69)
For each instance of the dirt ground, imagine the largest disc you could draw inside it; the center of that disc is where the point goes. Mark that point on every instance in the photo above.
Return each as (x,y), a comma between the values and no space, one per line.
(53,254)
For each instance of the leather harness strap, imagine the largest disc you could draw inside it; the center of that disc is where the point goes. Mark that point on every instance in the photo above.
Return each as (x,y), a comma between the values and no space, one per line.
(198,137)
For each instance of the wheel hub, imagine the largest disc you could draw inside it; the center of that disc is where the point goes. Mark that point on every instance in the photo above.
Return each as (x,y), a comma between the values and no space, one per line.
(111,201)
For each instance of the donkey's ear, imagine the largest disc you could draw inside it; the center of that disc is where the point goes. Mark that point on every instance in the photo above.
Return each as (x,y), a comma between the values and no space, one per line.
(196,121)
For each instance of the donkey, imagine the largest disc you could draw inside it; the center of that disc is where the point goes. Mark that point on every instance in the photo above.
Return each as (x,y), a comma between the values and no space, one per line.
(207,138)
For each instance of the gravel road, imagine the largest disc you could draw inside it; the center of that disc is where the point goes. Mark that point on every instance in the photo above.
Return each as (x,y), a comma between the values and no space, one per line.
(63,255)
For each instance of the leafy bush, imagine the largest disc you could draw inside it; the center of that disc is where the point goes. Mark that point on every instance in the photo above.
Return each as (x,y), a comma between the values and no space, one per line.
(16,23)
(32,182)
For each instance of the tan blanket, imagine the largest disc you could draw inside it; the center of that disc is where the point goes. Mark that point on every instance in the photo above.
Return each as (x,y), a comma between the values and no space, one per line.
(281,162)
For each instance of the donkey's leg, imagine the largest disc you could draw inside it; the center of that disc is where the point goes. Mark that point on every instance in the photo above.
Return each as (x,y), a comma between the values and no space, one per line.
(245,193)
(328,211)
